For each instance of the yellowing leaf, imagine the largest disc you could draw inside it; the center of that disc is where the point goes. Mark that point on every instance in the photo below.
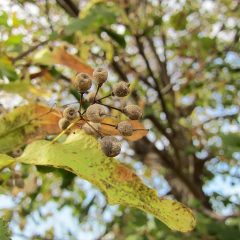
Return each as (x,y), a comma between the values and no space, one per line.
(81,154)
(61,56)
(24,123)
(5,161)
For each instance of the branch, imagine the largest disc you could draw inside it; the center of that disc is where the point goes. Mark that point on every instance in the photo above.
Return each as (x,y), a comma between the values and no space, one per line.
(66,5)
(31,49)
(218,217)
(48,15)
(163,70)
(142,53)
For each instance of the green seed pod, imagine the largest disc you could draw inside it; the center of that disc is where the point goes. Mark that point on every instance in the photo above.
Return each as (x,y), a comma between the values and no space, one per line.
(63,123)
(96,112)
(19,182)
(91,130)
(110,146)
(100,75)
(121,89)
(70,113)
(125,128)
(134,112)
(83,82)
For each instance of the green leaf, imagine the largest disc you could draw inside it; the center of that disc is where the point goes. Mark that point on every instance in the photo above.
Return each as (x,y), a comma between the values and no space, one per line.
(5,161)
(179,21)
(7,69)
(98,15)
(81,154)
(4,230)
(118,38)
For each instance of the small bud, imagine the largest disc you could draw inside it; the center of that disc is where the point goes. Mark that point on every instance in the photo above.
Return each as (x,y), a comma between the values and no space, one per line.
(121,89)
(100,75)
(125,128)
(96,112)
(82,82)
(110,146)
(134,112)
(91,130)
(19,182)
(70,113)
(90,97)
(63,123)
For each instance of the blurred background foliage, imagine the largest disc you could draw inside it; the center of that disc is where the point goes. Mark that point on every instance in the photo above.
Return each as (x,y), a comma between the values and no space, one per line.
(182,60)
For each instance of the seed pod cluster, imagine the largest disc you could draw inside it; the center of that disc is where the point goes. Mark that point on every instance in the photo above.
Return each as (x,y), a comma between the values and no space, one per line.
(92,110)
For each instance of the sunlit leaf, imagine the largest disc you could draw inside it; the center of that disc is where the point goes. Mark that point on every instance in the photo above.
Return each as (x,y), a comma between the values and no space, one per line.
(4,230)
(81,155)
(5,161)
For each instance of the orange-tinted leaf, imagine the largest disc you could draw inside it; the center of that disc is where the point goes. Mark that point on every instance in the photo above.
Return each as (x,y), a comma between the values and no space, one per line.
(139,131)
(61,56)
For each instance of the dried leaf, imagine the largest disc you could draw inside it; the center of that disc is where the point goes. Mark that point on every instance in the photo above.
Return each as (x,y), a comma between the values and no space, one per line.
(61,56)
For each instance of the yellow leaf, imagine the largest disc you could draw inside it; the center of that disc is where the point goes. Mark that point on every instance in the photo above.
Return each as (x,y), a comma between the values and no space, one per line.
(81,154)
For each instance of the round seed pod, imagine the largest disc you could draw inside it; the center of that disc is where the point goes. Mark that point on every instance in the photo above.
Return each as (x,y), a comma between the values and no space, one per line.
(17,174)
(121,89)
(134,112)
(19,182)
(63,123)
(90,97)
(125,128)
(91,130)
(70,113)
(82,82)
(110,146)
(96,112)
(100,75)
(10,182)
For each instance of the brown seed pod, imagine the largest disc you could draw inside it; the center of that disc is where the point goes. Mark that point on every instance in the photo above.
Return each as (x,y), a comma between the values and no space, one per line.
(91,130)
(19,182)
(96,112)
(10,182)
(134,112)
(63,123)
(110,146)
(82,82)
(90,97)
(70,113)
(100,75)
(17,174)
(121,89)
(125,128)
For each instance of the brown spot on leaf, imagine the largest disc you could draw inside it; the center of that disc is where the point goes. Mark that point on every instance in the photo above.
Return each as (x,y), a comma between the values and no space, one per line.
(124,174)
